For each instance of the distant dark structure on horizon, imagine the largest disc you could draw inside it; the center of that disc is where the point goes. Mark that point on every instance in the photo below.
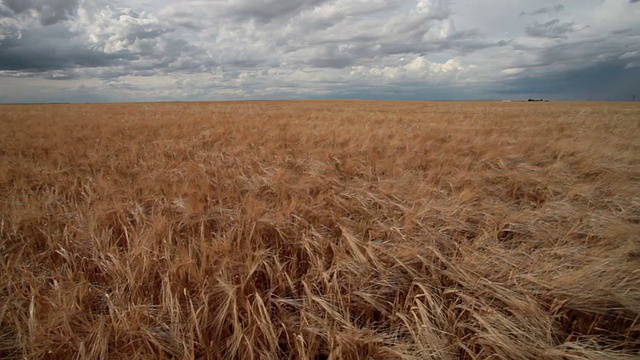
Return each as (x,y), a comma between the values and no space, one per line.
(536,100)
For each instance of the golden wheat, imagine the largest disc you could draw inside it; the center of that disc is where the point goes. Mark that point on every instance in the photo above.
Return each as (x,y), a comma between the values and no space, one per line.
(320,229)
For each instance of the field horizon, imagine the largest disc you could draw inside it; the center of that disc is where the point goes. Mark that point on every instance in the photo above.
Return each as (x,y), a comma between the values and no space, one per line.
(325,100)
(320,229)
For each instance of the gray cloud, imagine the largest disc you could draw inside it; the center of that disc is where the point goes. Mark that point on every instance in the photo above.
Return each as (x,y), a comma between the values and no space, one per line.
(9,29)
(268,10)
(5,11)
(238,49)
(626,32)
(582,54)
(347,33)
(114,30)
(178,16)
(553,29)
(49,12)
(323,34)
(52,48)
(547,10)
(101,42)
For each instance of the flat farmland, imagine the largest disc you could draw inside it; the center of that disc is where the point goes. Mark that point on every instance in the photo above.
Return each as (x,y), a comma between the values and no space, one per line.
(320,230)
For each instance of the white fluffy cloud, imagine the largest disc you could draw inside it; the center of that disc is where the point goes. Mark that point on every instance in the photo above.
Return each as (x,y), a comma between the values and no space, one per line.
(114,30)
(417,70)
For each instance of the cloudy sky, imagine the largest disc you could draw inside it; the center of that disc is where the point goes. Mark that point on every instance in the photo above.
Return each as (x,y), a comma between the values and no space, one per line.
(147,50)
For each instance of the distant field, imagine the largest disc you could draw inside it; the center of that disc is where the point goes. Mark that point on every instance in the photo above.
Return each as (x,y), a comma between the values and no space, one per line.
(320,230)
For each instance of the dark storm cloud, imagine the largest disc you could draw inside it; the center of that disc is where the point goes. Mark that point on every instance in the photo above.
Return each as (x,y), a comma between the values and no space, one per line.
(546,10)
(52,48)
(609,80)
(553,29)
(634,1)
(48,12)
(582,54)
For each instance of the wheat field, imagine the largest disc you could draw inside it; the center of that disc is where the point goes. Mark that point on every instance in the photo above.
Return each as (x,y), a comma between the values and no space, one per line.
(320,230)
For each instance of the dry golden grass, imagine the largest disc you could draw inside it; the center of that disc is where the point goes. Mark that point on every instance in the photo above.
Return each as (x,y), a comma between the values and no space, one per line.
(315,230)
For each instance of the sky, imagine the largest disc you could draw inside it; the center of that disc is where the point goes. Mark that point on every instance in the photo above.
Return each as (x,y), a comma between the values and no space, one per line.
(177,50)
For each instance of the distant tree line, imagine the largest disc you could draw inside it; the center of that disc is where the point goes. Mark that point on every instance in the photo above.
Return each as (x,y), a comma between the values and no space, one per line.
(539,100)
